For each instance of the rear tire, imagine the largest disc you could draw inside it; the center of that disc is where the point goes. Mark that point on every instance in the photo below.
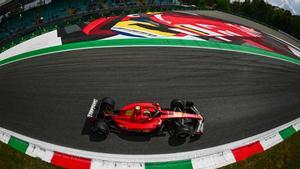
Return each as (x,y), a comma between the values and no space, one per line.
(101,129)
(177,103)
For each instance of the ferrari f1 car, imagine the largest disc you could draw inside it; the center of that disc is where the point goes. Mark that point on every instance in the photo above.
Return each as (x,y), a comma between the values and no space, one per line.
(181,120)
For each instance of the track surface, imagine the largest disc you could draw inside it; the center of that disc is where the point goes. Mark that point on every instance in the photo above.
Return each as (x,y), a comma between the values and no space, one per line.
(48,97)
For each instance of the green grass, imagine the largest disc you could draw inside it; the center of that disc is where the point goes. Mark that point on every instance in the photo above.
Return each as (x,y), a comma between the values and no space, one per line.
(13,159)
(285,155)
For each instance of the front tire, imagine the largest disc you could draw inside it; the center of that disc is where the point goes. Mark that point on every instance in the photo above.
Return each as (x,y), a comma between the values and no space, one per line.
(177,103)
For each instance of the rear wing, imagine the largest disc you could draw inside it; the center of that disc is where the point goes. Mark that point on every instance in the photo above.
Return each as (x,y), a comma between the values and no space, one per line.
(94,109)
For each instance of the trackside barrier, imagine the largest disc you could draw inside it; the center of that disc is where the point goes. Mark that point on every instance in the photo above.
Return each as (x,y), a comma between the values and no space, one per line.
(214,157)
(43,41)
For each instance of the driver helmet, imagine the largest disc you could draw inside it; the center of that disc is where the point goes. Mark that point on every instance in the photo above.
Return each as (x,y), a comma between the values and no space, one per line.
(137,108)
(147,113)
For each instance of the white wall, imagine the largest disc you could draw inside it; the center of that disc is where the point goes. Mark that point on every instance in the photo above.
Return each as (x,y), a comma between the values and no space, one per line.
(43,41)
(35,4)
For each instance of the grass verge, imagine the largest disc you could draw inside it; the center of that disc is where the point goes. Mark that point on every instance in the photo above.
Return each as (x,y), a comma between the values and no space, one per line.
(285,155)
(12,159)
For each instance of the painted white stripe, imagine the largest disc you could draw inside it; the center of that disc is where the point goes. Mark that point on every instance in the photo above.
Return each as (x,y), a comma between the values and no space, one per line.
(224,39)
(295,51)
(119,37)
(214,160)
(183,31)
(38,152)
(159,17)
(207,26)
(197,28)
(297,126)
(100,164)
(229,33)
(135,32)
(4,137)
(283,41)
(188,37)
(248,30)
(270,140)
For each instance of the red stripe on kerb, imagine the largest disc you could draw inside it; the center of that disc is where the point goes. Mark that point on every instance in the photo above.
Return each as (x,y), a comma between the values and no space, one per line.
(244,152)
(70,162)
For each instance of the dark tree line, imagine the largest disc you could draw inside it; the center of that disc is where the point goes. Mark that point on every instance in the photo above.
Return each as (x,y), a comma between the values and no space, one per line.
(257,10)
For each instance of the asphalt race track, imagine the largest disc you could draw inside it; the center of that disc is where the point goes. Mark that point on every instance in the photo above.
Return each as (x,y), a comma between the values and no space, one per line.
(241,95)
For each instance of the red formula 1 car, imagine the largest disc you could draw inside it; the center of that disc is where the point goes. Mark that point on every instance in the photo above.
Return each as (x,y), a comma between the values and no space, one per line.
(181,120)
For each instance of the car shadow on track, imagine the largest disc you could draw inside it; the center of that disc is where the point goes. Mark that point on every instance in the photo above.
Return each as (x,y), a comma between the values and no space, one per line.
(87,130)
(129,136)
(173,141)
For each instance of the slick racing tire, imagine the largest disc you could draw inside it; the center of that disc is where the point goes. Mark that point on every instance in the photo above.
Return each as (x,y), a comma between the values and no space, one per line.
(182,132)
(177,103)
(101,129)
(107,101)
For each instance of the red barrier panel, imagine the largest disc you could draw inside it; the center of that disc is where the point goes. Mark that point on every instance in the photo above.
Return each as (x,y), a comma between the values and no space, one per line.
(95,26)
(244,152)
(70,162)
